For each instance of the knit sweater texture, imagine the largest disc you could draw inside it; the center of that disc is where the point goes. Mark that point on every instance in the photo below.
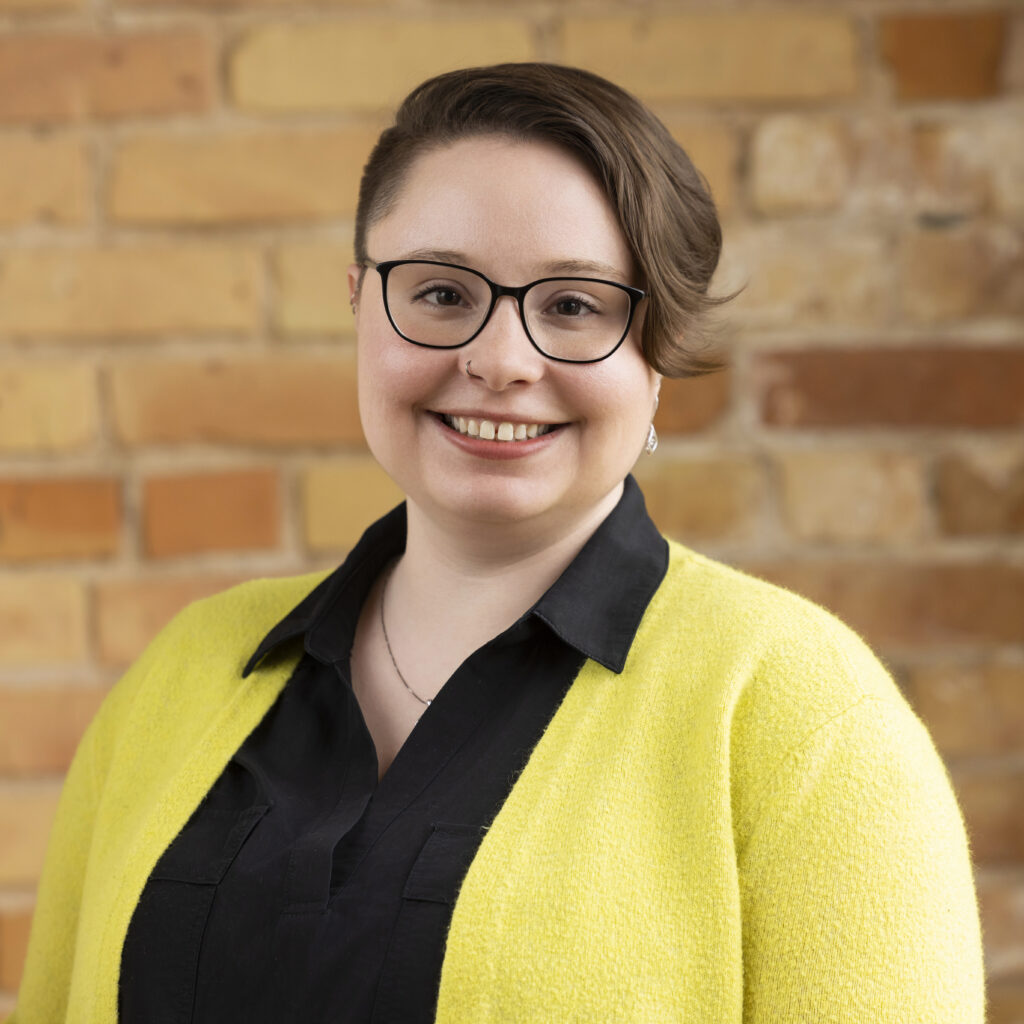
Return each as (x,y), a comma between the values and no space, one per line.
(748,824)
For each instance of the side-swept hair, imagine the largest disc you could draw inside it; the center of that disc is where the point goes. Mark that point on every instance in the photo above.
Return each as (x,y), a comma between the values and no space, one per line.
(663,205)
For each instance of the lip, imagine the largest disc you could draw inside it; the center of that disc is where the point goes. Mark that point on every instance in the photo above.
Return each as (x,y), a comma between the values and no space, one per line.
(496,450)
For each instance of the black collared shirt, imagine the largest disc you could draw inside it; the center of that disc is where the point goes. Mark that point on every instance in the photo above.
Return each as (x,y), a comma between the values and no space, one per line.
(302,889)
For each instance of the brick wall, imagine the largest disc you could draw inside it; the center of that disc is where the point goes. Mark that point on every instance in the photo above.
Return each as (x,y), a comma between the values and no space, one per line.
(177,180)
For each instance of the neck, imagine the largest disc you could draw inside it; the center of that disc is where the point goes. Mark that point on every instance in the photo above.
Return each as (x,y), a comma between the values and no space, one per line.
(458,586)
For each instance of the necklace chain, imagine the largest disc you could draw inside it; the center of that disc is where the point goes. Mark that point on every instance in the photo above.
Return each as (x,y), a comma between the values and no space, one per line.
(387,643)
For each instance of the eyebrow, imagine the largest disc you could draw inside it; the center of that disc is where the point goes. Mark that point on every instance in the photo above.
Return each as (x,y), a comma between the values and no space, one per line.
(571,267)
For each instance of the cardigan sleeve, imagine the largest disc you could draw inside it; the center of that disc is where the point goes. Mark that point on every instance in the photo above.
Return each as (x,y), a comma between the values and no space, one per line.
(857,896)
(46,983)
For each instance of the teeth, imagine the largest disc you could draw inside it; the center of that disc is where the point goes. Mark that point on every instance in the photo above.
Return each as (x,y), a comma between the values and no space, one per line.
(488,430)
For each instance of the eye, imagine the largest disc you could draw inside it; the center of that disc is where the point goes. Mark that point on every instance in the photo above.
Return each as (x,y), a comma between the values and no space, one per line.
(439,295)
(574,306)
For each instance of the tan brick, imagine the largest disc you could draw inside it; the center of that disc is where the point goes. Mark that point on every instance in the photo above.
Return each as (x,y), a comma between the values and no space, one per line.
(970,709)
(981,495)
(341,498)
(964,272)
(748,55)
(1005,1003)
(939,56)
(850,496)
(26,814)
(363,65)
(232,510)
(966,168)
(75,76)
(42,621)
(991,799)
(702,500)
(130,612)
(1001,901)
(47,407)
(40,726)
(43,180)
(15,923)
(65,518)
(689,405)
(288,176)
(807,274)
(925,387)
(913,604)
(311,288)
(82,293)
(29,7)
(714,150)
(799,164)
(274,401)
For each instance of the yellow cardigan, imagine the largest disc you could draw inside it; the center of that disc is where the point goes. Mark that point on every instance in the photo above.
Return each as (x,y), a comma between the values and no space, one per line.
(748,824)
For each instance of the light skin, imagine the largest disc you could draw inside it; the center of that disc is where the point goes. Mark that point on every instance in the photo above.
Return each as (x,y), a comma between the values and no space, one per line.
(487,534)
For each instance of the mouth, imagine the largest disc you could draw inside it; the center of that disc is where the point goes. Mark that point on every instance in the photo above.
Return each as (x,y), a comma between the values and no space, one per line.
(495,430)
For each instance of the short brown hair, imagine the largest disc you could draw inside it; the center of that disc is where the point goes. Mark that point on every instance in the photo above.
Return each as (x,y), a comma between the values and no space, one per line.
(663,205)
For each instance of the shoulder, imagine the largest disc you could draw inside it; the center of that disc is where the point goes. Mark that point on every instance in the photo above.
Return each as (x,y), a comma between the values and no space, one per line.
(741,620)
(237,619)
(775,670)
(196,661)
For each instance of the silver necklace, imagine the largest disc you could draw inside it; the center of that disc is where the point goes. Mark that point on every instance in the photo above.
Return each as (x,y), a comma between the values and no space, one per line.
(387,643)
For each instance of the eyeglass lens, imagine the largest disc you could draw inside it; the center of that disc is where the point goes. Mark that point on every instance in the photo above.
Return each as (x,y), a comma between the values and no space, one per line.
(567,318)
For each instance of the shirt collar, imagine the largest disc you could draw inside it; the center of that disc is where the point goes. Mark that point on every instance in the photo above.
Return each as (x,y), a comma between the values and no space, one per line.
(595,605)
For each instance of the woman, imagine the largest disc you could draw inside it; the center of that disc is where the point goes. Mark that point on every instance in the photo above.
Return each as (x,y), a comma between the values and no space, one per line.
(518,759)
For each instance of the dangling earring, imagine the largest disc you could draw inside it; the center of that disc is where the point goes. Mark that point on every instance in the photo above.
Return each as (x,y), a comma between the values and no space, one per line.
(652,441)
(651,446)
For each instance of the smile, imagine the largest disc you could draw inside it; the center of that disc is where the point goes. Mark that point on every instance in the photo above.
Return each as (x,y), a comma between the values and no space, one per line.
(489,430)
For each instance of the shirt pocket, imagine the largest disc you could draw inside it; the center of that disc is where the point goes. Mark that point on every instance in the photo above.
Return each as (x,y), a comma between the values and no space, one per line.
(160,959)
(416,951)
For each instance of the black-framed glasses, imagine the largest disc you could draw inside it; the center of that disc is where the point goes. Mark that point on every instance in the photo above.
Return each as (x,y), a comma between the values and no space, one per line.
(444,305)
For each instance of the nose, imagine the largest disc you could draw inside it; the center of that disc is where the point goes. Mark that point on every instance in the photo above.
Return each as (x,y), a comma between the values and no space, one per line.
(502,354)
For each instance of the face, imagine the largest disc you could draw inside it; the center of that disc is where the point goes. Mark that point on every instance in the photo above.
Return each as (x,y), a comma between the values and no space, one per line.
(516,212)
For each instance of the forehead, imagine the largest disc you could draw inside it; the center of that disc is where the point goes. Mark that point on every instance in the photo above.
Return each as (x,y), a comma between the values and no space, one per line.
(507,206)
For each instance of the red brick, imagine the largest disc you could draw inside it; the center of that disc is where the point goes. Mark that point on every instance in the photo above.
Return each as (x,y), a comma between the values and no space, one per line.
(690,405)
(919,604)
(40,726)
(1001,901)
(233,510)
(1005,1003)
(73,77)
(944,56)
(273,401)
(971,501)
(15,922)
(130,612)
(991,800)
(66,518)
(936,387)
(970,709)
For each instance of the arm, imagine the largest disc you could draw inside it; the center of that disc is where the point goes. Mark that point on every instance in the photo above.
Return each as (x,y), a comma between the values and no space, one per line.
(857,895)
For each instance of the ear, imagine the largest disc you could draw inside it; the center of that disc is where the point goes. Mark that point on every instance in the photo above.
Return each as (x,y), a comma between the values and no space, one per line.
(355,279)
